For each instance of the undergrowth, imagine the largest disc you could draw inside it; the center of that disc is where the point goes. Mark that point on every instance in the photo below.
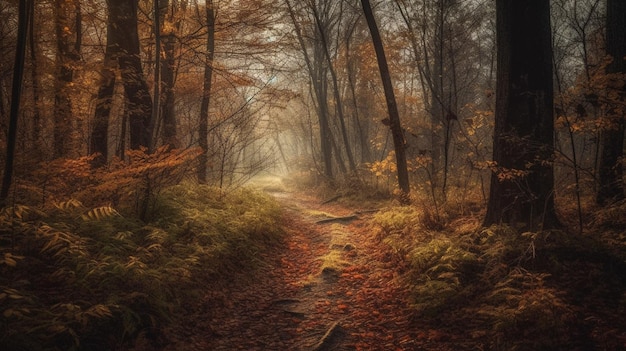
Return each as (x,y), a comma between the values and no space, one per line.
(512,290)
(354,190)
(89,278)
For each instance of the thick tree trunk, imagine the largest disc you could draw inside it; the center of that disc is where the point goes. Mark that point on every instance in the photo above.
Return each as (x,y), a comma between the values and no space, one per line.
(394,116)
(99,141)
(522,185)
(123,15)
(25,7)
(611,187)
(66,58)
(203,128)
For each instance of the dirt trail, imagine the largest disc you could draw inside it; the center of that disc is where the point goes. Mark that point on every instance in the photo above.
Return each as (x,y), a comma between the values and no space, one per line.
(331,286)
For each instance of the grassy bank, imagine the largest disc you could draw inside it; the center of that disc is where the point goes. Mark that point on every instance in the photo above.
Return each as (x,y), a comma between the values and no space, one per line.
(77,278)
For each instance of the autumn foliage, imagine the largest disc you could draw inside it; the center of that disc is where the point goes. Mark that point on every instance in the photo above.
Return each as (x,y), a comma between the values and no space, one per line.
(82,271)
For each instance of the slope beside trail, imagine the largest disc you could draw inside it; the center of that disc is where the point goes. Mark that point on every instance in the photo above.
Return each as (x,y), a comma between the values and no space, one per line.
(331,286)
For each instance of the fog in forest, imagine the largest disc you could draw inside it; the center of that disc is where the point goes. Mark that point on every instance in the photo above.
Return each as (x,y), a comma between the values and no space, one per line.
(312,175)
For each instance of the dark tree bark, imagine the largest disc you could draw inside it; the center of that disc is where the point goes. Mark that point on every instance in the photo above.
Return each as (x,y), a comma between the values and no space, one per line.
(99,141)
(203,128)
(394,116)
(36,132)
(168,74)
(123,15)
(170,132)
(156,94)
(66,59)
(25,7)
(610,174)
(522,186)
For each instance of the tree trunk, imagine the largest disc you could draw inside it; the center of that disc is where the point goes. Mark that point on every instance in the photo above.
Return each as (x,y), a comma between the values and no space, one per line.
(320,85)
(394,116)
(36,132)
(25,7)
(361,131)
(170,133)
(66,58)
(437,104)
(168,74)
(336,94)
(99,141)
(123,15)
(435,81)
(317,74)
(206,94)
(522,185)
(156,93)
(611,187)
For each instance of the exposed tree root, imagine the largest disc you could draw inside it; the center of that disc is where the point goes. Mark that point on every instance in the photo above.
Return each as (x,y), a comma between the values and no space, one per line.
(328,337)
(374,210)
(334,198)
(337,219)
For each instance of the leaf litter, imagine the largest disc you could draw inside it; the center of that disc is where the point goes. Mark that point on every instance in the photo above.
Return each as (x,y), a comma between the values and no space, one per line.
(287,304)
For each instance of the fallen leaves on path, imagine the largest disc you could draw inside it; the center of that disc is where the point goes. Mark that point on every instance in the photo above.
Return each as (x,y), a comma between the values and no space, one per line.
(285,306)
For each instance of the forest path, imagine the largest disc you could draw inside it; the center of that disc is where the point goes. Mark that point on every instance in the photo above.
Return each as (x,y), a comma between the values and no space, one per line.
(331,286)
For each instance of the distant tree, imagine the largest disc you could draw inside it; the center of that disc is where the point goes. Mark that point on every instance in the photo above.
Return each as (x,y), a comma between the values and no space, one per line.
(522,184)
(578,53)
(394,116)
(336,90)
(451,46)
(360,118)
(317,68)
(610,172)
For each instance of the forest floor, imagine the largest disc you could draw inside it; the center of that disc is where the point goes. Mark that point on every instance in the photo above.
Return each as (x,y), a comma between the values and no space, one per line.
(331,286)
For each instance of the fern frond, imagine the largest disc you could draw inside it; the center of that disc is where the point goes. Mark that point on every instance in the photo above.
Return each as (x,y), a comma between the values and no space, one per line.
(157,235)
(20,212)
(69,205)
(100,213)
(10,259)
